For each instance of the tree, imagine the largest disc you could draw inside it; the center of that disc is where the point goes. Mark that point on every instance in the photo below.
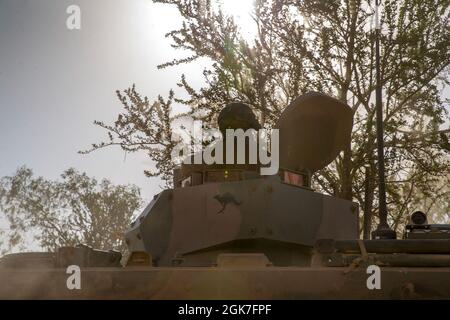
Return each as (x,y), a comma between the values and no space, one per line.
(2,249)
(320,45)
(76,210)
(437,203)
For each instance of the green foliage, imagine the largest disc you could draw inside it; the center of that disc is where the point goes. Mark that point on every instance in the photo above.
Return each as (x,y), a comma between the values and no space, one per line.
(76,210)
(326,46)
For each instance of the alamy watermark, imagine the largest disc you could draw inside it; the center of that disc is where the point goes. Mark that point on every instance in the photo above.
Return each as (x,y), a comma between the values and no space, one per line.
(374,280)
(73,282)
(241,147)
(73,21)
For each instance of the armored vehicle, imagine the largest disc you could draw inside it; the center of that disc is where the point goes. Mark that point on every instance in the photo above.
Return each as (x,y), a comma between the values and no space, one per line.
(225,231)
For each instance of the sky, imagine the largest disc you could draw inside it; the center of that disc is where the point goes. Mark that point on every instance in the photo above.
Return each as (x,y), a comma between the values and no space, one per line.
(55,82)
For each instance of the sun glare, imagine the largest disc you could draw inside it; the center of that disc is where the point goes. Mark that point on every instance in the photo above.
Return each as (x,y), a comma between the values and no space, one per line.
(242,12)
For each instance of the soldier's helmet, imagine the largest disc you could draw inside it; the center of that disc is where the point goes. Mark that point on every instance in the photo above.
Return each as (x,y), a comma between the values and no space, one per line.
(237,115)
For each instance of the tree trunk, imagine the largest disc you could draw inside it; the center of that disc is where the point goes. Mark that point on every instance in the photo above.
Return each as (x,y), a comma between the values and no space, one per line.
(368,202)
(346,189)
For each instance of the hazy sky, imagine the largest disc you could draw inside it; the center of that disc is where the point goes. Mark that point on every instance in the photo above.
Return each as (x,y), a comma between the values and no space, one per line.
(55,82)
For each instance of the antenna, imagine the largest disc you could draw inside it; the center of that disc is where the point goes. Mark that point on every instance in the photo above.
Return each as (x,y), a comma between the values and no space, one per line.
(383,230)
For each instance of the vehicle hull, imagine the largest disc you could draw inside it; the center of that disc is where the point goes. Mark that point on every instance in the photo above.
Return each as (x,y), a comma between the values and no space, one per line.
(227,283)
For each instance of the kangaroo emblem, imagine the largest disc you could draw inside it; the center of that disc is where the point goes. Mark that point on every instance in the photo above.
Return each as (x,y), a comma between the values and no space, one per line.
(225,199)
